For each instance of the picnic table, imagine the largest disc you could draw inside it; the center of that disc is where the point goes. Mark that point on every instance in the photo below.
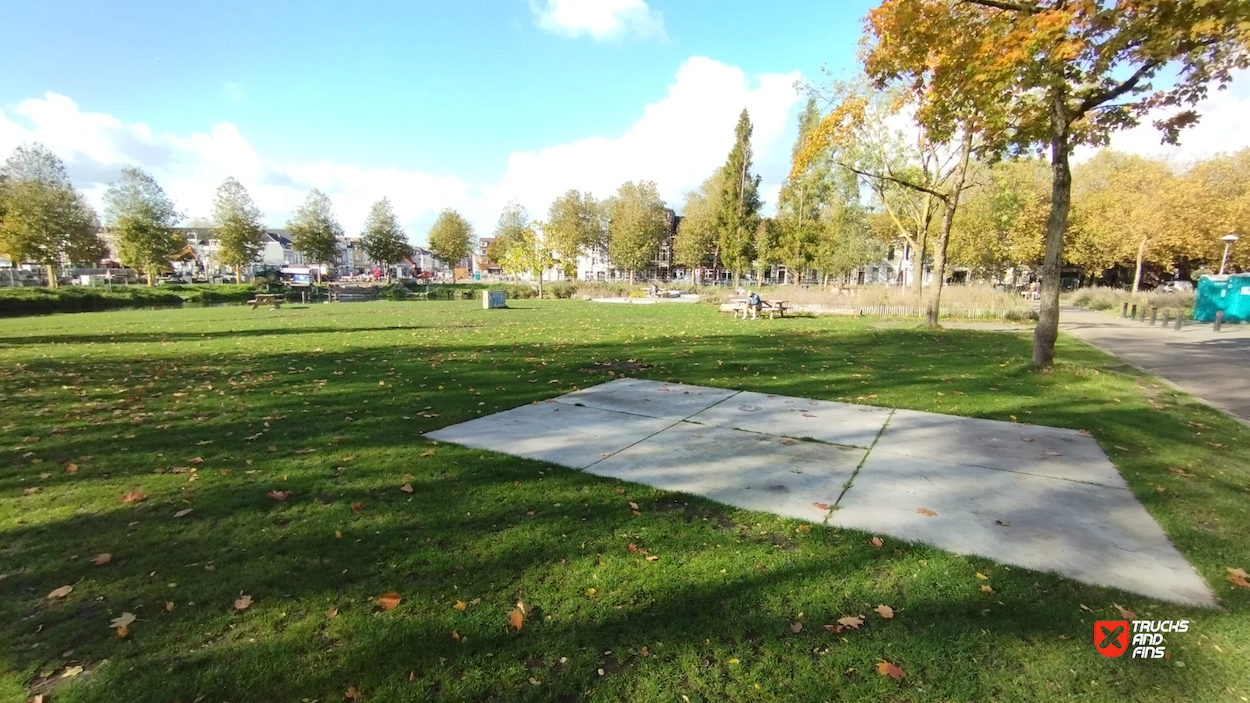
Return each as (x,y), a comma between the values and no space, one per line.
(774,307)
(273,300)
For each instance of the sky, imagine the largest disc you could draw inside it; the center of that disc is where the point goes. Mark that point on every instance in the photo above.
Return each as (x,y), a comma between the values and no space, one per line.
(436,105)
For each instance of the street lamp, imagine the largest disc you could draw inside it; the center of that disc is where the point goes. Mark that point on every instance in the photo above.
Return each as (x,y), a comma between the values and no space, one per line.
(1228,244)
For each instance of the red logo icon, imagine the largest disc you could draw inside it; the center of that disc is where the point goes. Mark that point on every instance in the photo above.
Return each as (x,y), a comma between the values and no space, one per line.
(1111,637)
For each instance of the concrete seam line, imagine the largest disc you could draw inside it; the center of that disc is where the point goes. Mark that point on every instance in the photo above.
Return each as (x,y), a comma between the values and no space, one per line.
(847,486)
(662,429)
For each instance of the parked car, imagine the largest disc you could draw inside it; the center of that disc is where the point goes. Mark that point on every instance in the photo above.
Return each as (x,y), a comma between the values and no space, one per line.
(1176,287)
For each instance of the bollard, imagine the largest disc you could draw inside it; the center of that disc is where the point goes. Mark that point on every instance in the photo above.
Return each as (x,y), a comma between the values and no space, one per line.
(1179,318)
(1124,310)
(1132,312)
(1166,316)
(1219,320)
(1154,311)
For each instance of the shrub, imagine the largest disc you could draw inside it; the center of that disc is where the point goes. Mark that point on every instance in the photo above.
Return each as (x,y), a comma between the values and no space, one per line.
(393,292)
(563,289)
(35,301)
(1113,299)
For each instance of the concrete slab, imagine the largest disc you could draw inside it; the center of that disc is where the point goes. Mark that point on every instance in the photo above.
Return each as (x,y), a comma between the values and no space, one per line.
(1091,533)
(743,469)
(672,401)
(1007,446)
(827,421)
(556,432)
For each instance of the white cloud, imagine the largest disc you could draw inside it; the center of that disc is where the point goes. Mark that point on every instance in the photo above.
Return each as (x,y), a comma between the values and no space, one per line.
(677,142)
(601,19)
(234,91)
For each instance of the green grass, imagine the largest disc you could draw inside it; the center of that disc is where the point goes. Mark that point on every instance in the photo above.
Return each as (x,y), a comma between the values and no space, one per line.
(135,399)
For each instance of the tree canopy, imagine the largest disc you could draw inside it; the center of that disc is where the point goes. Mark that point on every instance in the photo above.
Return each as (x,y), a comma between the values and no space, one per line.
(451,237)
(636,225)
(575,225)
(383,238)
(141,219)
(240,234)
(314,229)
(738,206)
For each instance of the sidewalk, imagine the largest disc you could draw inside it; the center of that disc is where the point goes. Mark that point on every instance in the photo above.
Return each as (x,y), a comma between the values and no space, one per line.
(1215,367)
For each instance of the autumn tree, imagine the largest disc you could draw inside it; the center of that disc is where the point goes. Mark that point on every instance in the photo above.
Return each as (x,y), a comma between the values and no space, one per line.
(236,219)
(695,245)
(315,230)
(1000,224)
(527,251)
(1056,73)
(803,197)
(738,206)
(513,220)
(1207,201)
(845,241)
(575,225)
(636,226)
(383,238)
(141,220)
(43,219)
(451,238)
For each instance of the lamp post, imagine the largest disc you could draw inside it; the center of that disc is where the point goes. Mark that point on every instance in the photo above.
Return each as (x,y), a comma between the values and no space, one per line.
(1228,244)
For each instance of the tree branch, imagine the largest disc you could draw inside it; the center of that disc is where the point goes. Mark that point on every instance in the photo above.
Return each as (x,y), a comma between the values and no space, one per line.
(1005,5)
(892,179)
(1095,99)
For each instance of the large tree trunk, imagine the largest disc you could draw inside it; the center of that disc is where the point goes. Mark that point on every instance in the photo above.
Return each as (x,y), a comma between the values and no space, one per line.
(148,273)
(917,257)
(948,221)
(1141,253)
(238,275)
(1047,330)
(51,274)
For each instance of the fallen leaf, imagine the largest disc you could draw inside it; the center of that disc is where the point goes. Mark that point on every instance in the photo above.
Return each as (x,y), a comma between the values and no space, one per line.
(169,606)
(885,611)
(304,451)
(412,676)
(803,528)
(796,627)
(242,602)
(197,460)
(590,592)
(71,468)
(733,661)
(134,497)
(388,601)
(1125,612)
(888,669)
(460,605)
(183,513)
(876,542)
(357,507)
(271,448)
(60,592)
(1238,577)
(853,621)
(428,452)
(787,441)
(101,559)
(351,694)
(455,635)
(1180,472)
(1085,607)
(821,506)
(652,557)
(619,491)
(338,534)
(516,618)
(982,577)
(279,495)
(406,488)
(633,506)
(332,613)
(71,671)
(925,512)
(986,588)
(123,620)
(632,547)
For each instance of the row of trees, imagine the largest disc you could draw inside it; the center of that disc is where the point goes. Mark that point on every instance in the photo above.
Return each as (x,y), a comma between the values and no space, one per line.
(44,219)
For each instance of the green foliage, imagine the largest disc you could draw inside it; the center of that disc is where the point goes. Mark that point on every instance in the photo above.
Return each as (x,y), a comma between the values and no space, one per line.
(314,229)
(803,199)
(562,289)
(511,227)
(451,237)
(697,237)
(636,226)
(43,219)
(383,239)
(739,203)
(16,302)
(575,226)
(237,226)
(141,217)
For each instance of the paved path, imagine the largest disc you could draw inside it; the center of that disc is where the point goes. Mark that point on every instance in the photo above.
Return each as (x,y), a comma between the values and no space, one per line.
(1215,367)
(1041,497)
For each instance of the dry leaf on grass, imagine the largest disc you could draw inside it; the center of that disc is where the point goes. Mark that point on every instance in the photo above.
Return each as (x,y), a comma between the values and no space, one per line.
(406,488)
(71,468)
(1125,612)
(876,542)
(652,557)
(243,602)
(1180,472)
(820,506)
(332,613)
(184,512)
(1238,577)
(101,559)
(888,669)
(803,528)
(351,694)
(852,621)
(796,627)
(279,495)
(357,507)
(460,605)
(428,452)
(388,601)
(987,588)
(455,635)
(925,512)
(122,621)
(884,611)
(516,618)
(134,497)
(60,592)
(982,577)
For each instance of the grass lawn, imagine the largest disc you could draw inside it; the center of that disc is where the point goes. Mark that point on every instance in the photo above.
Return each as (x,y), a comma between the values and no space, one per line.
(207,411)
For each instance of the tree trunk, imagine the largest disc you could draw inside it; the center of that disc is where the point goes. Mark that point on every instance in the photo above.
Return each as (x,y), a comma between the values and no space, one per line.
(51,274)
(948,220)
(540,284)
(824,281)
(737,279)
(1047,330)
(917,257)
(631,277)
(148,272)
(238,275)
(1141,253)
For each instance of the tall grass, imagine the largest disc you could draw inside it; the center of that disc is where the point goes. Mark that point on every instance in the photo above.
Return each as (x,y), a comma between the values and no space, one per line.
(1114,299)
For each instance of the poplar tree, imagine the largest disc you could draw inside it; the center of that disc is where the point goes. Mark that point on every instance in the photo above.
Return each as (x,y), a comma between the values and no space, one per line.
(739,203)
(236,219)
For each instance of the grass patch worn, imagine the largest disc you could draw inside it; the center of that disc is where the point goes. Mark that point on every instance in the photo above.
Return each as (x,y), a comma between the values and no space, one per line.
(210,410)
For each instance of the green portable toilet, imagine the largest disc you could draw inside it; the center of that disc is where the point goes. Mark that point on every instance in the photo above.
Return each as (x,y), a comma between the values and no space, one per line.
(1229,294)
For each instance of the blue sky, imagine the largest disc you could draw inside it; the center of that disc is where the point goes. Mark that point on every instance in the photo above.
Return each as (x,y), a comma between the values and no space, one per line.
(463,105)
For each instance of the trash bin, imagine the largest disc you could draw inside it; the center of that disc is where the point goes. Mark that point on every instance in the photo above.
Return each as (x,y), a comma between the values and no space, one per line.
(1227,294)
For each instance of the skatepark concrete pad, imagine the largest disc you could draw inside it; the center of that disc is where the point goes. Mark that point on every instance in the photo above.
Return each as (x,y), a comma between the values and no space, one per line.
(993,444)
(562,434)
(824,420)
(1090,533)
(1039,497)
(743,469)
(673,401)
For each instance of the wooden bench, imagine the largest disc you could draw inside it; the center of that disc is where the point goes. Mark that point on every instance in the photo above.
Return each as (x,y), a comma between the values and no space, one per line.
(773,307)
(271,299)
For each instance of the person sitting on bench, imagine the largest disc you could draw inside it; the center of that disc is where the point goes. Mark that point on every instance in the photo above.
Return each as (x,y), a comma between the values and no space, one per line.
(754,304)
